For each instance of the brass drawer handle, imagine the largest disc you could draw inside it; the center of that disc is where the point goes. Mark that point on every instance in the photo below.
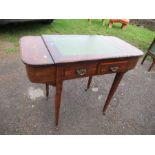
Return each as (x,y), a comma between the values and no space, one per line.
(81,72)
(114,69)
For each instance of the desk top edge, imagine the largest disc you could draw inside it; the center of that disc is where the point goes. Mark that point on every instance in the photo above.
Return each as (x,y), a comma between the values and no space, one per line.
(42,58)
(51,62)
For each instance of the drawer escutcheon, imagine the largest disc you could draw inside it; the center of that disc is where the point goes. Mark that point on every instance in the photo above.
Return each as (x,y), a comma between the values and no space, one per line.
(114,69)
(81,72)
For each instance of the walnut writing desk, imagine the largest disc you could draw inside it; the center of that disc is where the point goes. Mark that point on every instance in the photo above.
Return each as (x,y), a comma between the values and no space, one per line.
(50,59)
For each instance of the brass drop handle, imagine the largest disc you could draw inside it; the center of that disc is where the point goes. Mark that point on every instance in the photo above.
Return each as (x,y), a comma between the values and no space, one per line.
(114,69)
(81,72)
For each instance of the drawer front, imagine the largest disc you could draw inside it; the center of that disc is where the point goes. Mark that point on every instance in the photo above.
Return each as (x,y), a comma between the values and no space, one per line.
(79,70)
(44,74)
(113,67)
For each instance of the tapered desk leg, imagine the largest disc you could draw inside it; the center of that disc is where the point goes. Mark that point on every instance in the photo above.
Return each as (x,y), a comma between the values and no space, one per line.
(144,58)
(89,82)
(151,65)
(59,84)
(114,86)
(47,91)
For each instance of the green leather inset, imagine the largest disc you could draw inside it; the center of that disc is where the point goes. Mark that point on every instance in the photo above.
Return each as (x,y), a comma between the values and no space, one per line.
(86,45)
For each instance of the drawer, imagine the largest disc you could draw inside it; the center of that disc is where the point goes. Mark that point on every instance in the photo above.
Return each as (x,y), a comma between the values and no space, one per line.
(41,74)
(113,67)
(79,70)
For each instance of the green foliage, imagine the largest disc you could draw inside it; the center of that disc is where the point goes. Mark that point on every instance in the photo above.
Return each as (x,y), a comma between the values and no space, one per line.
(139,37)
(11,50)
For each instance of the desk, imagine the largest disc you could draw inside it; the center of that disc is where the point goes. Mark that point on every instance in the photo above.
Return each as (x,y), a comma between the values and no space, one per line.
(51,59)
